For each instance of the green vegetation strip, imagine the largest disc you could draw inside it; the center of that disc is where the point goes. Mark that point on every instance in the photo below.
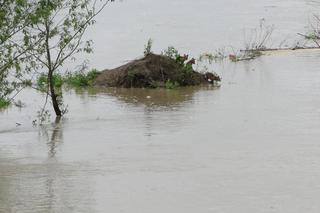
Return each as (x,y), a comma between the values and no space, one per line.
(76,79)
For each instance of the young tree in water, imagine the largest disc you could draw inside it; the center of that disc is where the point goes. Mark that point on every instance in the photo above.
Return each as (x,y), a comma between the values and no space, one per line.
(57,36)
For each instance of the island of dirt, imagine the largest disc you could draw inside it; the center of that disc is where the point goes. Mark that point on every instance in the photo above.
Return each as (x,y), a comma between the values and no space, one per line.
(153,71)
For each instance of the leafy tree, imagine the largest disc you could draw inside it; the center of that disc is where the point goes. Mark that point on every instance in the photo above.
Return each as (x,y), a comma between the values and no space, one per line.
(55,35)
(15,15)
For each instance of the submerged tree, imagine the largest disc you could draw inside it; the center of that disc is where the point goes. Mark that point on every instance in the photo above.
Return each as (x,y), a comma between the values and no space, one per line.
(56,36)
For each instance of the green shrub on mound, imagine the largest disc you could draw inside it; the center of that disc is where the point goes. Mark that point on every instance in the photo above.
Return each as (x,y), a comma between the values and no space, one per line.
(81,79)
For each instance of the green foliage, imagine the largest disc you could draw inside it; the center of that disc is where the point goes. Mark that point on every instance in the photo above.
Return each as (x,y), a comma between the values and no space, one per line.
(15,16)
(44,34)
(171,85)
(312,36)
(171,52)
(5,87)
(148,47)
(132,74)
(76,79)
(57,80)
(4,103)
(92,75)
(55,36)
(185,75)
(188,68)
(81,79)
(26,83)
(42,81)
(180,59)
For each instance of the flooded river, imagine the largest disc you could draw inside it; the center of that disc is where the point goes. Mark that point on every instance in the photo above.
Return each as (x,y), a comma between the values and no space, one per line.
(251,145)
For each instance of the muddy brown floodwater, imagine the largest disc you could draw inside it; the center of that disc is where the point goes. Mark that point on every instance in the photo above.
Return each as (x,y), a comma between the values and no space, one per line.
(251,145)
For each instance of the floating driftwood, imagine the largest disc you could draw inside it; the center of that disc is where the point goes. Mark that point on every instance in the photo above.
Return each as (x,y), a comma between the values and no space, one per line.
(292,49)
(250,54)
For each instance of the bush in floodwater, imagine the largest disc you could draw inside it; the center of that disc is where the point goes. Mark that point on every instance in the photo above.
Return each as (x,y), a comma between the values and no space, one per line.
(42,81)
(81,79)
(171,85)
(186,71)
(180,59)
(76,79)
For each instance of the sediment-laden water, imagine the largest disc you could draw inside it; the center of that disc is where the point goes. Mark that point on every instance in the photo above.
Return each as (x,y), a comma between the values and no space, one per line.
(251,145)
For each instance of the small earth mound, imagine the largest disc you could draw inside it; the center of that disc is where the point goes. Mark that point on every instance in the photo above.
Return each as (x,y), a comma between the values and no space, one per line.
(153,71)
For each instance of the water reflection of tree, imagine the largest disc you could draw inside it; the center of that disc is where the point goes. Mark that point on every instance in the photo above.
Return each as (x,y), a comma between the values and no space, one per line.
(55,138)
(50,185)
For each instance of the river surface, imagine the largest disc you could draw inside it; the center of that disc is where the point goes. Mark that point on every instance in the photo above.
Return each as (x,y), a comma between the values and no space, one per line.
(251,145)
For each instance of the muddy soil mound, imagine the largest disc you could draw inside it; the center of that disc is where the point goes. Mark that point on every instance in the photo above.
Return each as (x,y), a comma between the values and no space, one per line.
(151,71)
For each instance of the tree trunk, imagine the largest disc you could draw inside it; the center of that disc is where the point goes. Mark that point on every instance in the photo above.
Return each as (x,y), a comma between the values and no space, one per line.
(55,102)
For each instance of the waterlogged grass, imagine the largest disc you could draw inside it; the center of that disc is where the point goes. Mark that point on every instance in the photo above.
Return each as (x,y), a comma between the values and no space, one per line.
(42,81)
(76,79)
(4,103)
(81,79)
(171,85)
